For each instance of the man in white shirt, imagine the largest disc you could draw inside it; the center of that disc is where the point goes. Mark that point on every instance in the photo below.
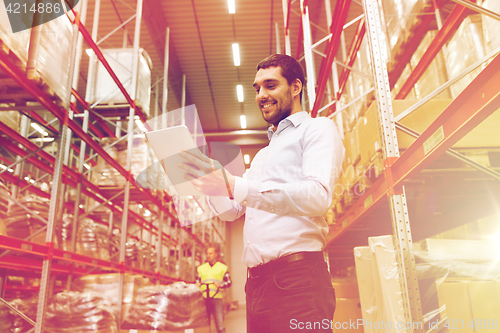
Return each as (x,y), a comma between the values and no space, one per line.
(285,194)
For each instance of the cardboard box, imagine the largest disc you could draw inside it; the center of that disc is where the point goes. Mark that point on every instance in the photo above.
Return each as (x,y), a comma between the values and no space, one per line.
(454,299)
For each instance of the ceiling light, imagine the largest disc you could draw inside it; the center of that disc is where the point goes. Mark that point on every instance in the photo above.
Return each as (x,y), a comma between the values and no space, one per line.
(246,158)
(239,92)
(243,121)
(43,140)
(39,129)
(236,54)
(231,6)
(89,52)
(86,166)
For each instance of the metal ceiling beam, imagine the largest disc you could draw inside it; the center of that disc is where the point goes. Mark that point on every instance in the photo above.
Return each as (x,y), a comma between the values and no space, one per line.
(450,26)
(156,23)
(339,18)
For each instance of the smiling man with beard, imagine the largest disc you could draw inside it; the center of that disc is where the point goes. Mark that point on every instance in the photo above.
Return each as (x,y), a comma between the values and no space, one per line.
(285,194)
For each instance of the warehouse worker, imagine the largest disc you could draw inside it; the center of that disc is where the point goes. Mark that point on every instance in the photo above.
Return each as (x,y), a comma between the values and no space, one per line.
(213,275)
(285,194)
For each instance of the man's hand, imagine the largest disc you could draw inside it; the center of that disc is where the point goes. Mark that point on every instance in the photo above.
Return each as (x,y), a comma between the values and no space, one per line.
(207,176)
(198,284)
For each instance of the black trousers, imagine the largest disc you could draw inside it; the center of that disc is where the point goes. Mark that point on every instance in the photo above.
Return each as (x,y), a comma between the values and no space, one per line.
(297,298)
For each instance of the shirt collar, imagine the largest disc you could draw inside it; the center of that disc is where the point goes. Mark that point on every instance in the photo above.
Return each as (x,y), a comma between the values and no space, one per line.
(295,119)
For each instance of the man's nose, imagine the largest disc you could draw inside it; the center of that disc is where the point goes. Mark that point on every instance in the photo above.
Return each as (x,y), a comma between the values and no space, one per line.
(262,94)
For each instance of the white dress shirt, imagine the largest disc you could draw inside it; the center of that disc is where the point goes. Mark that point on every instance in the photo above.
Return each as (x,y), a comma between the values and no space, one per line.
(287,190)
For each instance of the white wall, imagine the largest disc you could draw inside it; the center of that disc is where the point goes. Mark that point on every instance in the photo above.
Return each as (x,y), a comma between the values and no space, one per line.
(234,249)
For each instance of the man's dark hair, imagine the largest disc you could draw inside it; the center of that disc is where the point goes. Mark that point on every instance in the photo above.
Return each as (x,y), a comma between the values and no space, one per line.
(290,68)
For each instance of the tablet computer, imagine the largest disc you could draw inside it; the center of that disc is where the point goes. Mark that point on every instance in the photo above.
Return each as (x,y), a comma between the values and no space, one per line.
(167,143)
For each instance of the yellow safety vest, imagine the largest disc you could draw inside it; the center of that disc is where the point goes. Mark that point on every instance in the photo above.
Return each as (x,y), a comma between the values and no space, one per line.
(210,274)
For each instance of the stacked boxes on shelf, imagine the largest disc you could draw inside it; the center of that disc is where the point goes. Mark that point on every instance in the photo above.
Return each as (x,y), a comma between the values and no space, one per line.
(456,278)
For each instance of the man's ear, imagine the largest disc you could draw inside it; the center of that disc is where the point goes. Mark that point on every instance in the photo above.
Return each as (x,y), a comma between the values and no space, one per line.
(296,88)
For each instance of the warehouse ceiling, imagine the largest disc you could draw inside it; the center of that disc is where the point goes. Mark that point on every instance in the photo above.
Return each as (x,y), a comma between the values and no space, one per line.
(201,36)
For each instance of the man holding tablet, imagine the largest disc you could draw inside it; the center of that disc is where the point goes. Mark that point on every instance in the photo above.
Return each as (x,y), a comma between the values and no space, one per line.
(285,194)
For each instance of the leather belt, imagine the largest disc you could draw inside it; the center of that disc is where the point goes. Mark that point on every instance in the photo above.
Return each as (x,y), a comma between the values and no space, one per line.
(284,262)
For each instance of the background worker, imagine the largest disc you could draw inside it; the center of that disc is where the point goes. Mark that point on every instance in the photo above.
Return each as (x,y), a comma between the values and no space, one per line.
(213,275)
(285,194)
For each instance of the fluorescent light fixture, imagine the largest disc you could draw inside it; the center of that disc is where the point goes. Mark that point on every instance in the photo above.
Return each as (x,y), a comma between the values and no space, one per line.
(86,166)
(231,6)
(32,181)
(236,54)
(43,140)
(140,125)
(39,129)
(239,92)
(246,158)
(81,206)
(141,206)
(243,121)
(147,213)
(5,168)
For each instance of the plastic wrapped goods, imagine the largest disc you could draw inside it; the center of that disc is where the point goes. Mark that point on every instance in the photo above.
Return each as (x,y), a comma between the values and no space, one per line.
(107,286)
(73,312)
(491,26)
(173,307)
(5,318)
(4,207)
(28,307)
(121,61)
(93,240)
(465,48)
(21,224)
(16,42)
(457,280)
(53,63)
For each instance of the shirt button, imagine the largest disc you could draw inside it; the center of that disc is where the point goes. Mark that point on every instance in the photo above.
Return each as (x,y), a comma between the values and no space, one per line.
(244,202)
(272,210)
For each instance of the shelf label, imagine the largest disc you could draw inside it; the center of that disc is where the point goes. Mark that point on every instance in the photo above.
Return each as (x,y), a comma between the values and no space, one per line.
(27,247)
(433,140)
(94,262)
(368,201)
(67,255)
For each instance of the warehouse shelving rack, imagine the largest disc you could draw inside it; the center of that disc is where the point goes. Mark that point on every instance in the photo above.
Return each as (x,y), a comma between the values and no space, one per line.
(479,100)
(46,258)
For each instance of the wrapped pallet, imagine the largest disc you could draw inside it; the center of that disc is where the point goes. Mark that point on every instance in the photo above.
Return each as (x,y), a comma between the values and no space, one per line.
(491,26)
(365,275)
(93,240)
(53,63)
(28,306)
(74,312)
(173,307)
(18,42)
(4,207)
(141,161)
(434,76)
(107,286)
(465,48)
(398,18)
(390,285)
(22,225)
(105,90)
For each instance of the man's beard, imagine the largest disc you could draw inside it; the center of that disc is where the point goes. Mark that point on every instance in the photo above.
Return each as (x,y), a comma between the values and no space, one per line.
(283,109)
